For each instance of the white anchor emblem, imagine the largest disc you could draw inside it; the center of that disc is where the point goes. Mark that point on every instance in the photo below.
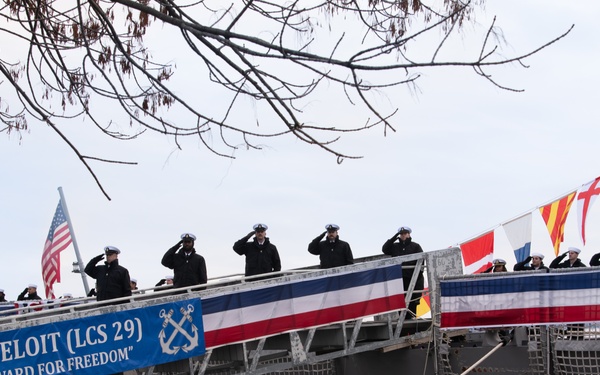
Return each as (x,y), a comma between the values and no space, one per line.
(193,341)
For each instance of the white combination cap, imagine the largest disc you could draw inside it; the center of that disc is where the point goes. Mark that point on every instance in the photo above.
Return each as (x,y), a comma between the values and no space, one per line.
(32,286)
(260,226)
(112,249)
(332,227)
(404,229)
(188,236)
(498,262)
(169,277)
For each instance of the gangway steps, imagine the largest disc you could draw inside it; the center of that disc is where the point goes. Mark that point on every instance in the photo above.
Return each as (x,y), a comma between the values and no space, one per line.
(313,348)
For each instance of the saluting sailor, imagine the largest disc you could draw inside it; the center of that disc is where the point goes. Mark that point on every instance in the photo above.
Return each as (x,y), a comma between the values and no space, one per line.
(406,246)
(498,265)
(332,251)
(572,262)
(31,292)
(261,255)
(189,267)
(112,280)
(536,260)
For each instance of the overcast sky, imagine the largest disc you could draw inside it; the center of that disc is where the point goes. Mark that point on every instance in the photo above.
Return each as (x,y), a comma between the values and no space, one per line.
(467,157)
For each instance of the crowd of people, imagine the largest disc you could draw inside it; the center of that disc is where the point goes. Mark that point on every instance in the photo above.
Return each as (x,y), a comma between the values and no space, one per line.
(261,257)
(537,262)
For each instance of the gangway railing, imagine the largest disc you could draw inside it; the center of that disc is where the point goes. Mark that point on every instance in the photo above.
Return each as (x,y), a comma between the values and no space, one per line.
(33,309)
(305,343)
(554,315)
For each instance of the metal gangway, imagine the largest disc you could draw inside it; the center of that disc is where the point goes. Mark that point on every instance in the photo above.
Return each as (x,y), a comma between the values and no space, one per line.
(311,350)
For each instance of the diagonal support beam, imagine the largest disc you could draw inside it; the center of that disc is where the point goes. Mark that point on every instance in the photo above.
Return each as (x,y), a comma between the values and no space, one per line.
(257,353)
(298,353)
(354,337)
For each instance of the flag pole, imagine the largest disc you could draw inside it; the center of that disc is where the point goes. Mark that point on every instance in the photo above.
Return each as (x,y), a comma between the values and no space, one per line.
(63,202)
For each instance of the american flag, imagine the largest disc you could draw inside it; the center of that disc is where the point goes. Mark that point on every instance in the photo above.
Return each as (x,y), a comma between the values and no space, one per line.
(58,239)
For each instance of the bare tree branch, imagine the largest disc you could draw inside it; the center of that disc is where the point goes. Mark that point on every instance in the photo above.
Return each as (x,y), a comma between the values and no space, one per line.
(94,60)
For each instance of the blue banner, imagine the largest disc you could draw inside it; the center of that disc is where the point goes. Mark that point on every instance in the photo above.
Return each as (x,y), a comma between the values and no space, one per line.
(106,343)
